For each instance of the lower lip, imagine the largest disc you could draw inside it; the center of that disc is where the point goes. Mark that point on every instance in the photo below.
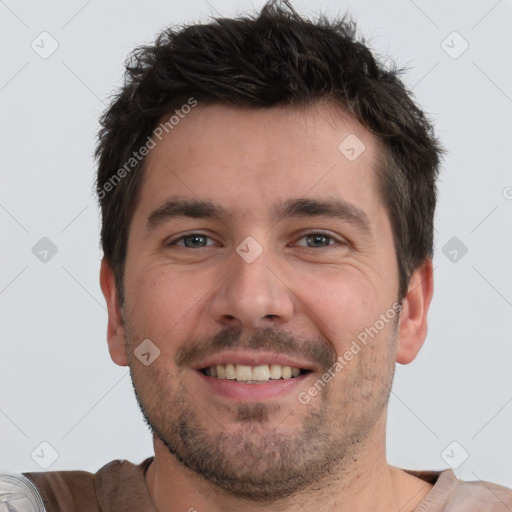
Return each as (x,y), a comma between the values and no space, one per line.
(247,392)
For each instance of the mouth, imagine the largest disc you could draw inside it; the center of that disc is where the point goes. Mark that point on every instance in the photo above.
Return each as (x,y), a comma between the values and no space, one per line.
(248,376)
(253,374)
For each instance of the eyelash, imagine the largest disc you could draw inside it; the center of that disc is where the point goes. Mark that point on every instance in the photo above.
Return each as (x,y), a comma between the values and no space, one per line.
(304,235)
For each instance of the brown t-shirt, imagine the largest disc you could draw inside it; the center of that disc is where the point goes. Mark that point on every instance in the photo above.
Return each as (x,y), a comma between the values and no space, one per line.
(120,486)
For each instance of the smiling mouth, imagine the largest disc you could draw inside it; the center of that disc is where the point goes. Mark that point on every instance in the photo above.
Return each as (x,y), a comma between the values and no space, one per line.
(253,374)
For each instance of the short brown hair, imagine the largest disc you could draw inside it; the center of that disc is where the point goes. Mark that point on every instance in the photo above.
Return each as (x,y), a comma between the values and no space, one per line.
(276,58)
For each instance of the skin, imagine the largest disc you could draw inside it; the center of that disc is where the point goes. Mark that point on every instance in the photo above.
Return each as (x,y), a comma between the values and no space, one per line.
(315,297)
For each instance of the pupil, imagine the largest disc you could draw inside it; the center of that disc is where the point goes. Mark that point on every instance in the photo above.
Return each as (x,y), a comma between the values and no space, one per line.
(193,241)
(319,239)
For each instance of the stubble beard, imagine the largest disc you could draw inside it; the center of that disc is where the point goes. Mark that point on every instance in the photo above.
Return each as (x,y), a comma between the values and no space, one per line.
(259,461)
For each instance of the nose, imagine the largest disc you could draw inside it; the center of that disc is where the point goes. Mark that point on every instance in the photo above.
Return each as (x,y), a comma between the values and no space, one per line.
(252,295)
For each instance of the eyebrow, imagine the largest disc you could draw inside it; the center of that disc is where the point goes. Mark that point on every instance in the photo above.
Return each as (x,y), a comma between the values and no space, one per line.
(177,207)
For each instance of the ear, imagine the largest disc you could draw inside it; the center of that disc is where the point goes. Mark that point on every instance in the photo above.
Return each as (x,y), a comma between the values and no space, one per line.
(115,329)
(413,317)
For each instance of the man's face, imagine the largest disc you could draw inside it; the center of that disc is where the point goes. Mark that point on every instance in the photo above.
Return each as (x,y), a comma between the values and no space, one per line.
(277,276)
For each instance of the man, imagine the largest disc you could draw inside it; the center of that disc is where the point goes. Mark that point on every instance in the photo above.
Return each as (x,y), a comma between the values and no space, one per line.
(267,191)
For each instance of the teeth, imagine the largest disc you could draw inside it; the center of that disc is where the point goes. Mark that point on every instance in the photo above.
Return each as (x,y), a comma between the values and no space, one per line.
(245,373)
(286,372)
(275,371)
(230,372)
(260,372)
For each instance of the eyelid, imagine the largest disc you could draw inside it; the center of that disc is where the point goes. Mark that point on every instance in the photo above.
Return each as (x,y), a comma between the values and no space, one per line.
(337,238)
(180,236)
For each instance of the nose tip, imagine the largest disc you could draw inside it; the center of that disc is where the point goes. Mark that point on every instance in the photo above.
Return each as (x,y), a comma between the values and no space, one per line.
(252,296)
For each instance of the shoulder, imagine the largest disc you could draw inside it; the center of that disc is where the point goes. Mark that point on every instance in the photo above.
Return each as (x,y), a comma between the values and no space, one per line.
(84,491)
(453,495)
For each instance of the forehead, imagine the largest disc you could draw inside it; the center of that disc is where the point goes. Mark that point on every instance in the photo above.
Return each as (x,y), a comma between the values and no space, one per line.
(252,159)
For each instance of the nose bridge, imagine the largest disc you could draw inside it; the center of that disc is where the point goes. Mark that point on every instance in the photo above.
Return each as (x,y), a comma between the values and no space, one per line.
(252,293)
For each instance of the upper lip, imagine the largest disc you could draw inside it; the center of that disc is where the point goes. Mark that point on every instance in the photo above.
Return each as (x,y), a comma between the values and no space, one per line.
(252,358)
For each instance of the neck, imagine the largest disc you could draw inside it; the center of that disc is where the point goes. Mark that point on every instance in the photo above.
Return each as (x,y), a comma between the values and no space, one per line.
(367,484)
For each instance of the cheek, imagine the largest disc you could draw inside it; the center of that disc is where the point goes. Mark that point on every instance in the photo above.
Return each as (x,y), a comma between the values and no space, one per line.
(342,302)
(163,303)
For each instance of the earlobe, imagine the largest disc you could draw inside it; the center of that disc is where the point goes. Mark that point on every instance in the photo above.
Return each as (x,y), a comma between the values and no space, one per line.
(413,317)
(115,328)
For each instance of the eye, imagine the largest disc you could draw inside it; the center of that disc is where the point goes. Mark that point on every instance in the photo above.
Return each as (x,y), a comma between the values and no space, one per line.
(312,240)
(191,241)
(318,240)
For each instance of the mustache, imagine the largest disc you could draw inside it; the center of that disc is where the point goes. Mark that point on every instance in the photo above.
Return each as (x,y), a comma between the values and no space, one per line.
(317,350)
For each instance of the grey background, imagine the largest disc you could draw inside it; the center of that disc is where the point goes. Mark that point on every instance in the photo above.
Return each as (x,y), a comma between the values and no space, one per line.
(58,384)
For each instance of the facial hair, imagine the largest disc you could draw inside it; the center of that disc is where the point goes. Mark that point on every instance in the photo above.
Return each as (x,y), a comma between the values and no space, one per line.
(259,461)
